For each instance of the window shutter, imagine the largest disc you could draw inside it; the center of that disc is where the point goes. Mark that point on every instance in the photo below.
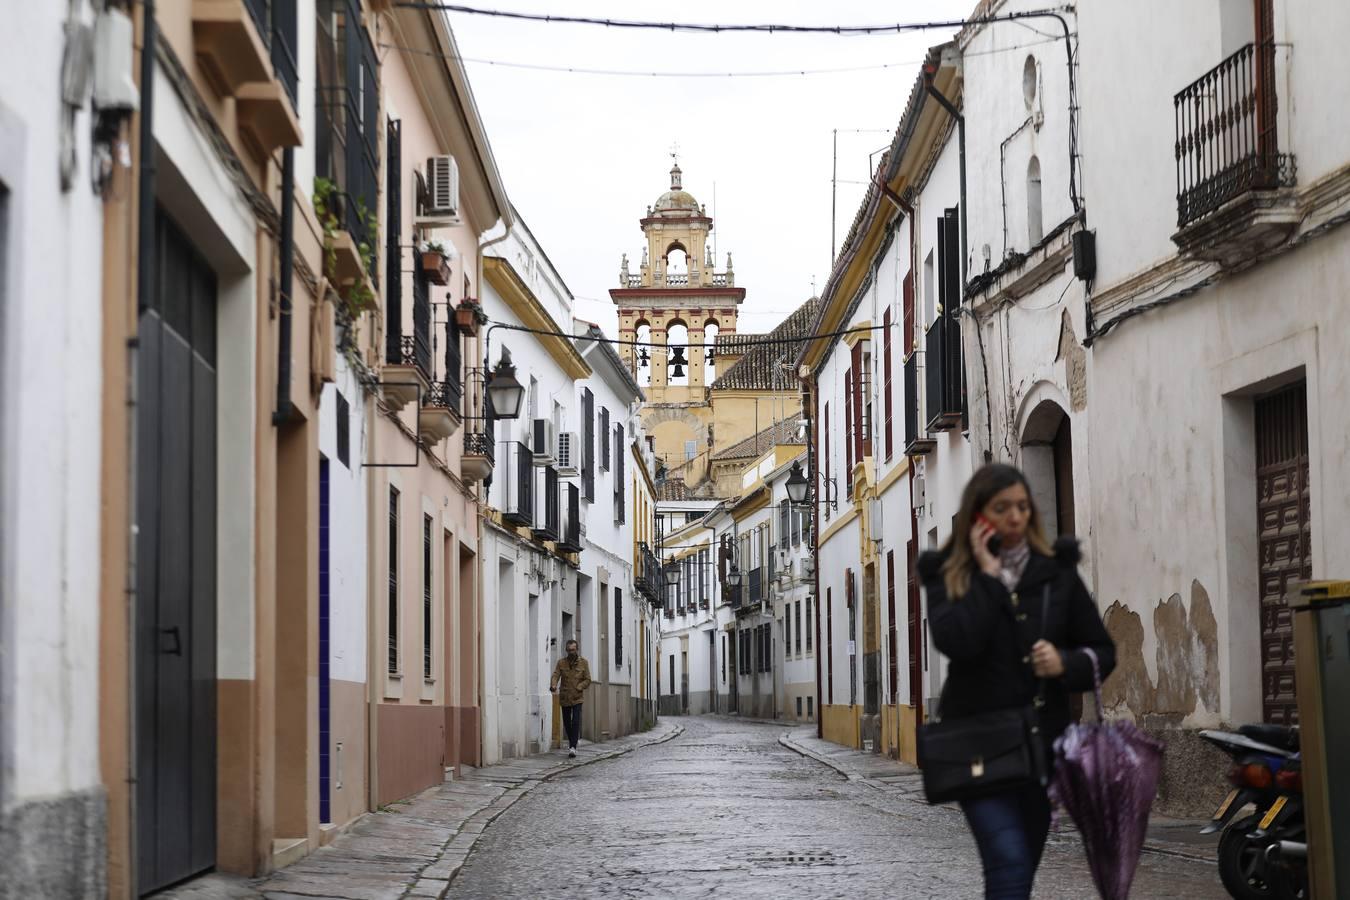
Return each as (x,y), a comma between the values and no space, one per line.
(620,482)
(908,316)
(859,437)
(886,383)
(848,431)
(604,442)
(588,444)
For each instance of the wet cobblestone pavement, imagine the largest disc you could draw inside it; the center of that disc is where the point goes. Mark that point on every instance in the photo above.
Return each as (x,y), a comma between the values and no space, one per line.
(725,809)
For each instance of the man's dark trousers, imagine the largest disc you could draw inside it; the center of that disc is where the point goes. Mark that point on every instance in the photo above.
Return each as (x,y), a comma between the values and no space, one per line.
(572,724)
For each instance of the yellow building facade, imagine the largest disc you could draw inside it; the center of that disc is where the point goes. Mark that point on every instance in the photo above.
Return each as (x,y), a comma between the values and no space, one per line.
(707,386)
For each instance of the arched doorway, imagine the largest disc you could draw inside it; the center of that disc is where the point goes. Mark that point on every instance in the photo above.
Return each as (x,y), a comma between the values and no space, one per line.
(1047,460)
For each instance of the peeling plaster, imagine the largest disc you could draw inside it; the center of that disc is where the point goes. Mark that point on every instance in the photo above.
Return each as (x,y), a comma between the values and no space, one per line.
(1075,364)
(1186,655)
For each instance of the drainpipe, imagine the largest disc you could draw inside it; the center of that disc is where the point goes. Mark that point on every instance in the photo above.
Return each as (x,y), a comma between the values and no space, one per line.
(144,299)
(285,408)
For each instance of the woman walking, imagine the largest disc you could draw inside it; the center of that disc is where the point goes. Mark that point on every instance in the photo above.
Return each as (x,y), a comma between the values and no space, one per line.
(1017,623)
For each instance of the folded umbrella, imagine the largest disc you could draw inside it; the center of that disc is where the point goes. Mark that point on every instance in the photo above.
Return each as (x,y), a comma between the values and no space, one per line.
(1106,776)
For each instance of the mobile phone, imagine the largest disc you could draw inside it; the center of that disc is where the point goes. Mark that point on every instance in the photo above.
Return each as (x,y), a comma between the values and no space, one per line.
(995,542)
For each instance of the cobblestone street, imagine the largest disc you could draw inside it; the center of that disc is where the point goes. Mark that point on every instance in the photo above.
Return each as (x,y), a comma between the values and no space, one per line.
(726,809)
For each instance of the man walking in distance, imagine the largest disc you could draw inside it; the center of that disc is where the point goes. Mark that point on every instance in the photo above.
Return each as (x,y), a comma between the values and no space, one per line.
(573,675)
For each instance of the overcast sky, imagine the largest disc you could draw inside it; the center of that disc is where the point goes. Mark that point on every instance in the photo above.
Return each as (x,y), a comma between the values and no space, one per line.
(583,155)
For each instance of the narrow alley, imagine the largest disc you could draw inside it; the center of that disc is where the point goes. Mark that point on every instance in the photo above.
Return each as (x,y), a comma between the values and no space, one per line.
(725,809)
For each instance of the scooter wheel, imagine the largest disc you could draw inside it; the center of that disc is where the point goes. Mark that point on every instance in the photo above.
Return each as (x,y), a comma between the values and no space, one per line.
(1242,865)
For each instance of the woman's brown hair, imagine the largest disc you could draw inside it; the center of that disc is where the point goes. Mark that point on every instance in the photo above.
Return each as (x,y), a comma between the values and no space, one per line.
(983,485)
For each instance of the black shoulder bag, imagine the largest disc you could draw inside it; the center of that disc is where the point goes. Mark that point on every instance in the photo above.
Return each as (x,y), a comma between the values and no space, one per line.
(973,756)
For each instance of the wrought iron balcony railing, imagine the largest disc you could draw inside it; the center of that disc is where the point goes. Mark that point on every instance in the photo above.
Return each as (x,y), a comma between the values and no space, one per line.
(478,443)
(546,520)
(1226,134)
(517,487)
(570,539)
(444,394)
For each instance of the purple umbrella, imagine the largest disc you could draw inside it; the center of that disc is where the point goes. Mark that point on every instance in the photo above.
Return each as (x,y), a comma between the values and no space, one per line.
(1106,775)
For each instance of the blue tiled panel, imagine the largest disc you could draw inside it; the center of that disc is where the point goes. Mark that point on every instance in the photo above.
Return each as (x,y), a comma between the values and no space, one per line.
(325,709)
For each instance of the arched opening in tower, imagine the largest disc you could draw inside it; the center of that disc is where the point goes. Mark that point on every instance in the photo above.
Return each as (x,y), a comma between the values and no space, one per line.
(709,354)
(642,354)
(677,343)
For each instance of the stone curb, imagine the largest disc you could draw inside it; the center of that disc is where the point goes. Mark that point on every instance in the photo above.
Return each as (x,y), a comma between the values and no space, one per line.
(1150,845)
(460,844)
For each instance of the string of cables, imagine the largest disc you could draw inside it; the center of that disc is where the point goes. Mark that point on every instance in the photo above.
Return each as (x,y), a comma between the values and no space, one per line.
(640,73)
(721,28)
(746,342)
(1019,17)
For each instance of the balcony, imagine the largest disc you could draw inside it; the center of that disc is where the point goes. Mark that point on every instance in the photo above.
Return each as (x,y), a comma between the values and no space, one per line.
(1233,197)
(546,512)
(229,40)
(917,439)
(407,379)
(648,579)
(439,416)
(517,489)
(570,541)
(479,456)
(942,374)
(347,129)
(755,580)
(246,50)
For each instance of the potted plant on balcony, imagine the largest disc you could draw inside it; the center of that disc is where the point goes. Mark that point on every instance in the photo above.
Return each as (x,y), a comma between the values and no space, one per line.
(435,263)
(469,316)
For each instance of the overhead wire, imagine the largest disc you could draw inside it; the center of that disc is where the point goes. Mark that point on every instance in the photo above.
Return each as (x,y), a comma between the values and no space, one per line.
(641,73)
(721,28)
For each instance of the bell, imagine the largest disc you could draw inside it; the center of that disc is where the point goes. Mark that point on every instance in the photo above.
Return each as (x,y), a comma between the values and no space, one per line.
(643,358)
(678,362)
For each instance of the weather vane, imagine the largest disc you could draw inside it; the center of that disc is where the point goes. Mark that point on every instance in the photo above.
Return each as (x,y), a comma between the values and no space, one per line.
(675,152)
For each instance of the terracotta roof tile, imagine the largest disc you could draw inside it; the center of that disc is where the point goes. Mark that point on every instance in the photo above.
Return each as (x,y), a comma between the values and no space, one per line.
(784,431)
(761,369)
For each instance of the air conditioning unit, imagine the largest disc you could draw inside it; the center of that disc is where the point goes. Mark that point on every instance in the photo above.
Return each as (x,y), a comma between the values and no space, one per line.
(569,453)
(440,203)
(542,443)
(920,492)
(785,561)
(808,567)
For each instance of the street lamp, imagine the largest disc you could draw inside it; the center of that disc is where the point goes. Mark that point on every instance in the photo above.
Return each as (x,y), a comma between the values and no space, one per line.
(504,390)
(672,574)
(796,484)
(733,577)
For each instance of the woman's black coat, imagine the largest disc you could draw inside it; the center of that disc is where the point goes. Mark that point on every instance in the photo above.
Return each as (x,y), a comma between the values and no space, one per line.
(987,634)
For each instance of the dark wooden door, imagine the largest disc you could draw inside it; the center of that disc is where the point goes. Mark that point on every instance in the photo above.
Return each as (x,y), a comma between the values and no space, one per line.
(1282,504)
(176,568)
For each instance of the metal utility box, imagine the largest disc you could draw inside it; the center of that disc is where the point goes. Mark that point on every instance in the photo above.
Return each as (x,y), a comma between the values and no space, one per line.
(1322,673)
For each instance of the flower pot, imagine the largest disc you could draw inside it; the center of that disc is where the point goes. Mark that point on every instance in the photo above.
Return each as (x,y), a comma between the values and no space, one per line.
(436,268)
(466,317)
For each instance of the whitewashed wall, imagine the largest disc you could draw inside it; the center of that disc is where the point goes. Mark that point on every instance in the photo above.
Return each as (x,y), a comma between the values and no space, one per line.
(347,524)
(50,354)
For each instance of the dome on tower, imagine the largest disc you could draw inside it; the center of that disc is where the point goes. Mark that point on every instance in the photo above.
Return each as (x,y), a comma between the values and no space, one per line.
(676,201)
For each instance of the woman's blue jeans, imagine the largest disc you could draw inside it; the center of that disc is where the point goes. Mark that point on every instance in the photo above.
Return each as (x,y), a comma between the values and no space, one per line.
(1010,829)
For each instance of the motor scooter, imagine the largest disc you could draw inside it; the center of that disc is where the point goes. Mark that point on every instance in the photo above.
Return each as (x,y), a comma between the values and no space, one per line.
(1254,863)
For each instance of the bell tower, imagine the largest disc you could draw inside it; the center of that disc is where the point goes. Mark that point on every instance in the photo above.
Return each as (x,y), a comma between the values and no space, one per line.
(678,301)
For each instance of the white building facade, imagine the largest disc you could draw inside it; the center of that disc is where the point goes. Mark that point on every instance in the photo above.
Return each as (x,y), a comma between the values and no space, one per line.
(532,527)
(50,353)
